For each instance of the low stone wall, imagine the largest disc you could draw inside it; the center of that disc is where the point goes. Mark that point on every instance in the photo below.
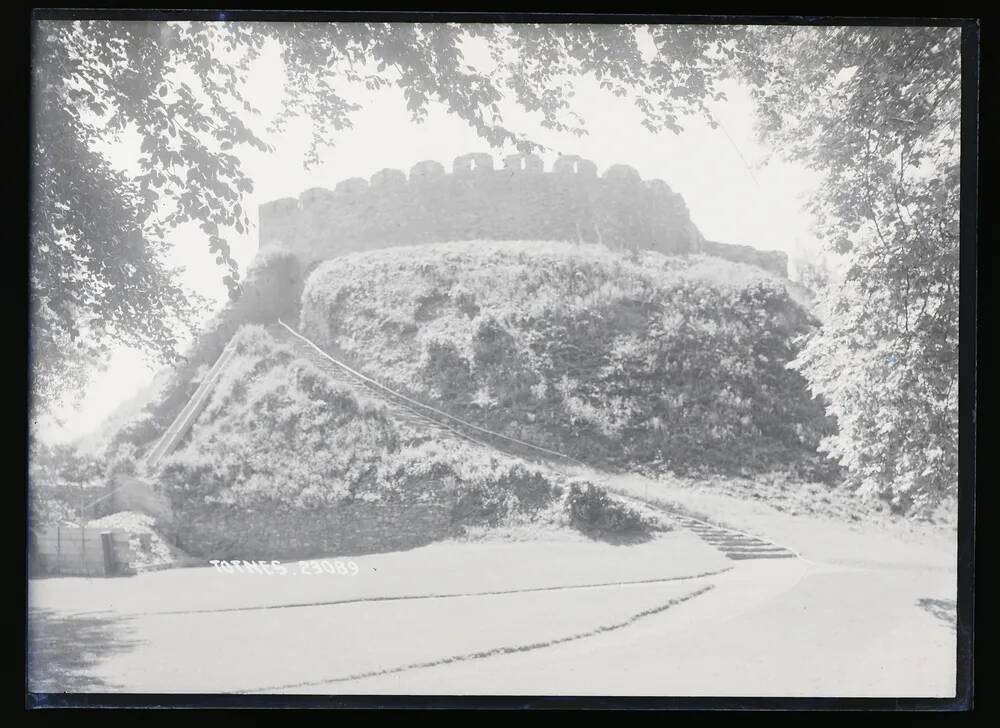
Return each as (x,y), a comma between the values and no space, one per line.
(220,532)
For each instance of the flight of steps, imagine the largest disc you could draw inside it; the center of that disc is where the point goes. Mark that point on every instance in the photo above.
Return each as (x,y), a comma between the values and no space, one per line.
(735,545)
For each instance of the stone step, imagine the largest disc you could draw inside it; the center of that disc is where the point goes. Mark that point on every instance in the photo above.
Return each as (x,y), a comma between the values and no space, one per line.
(742,555)
(754,547)
(725,540)
(734,545)
(735,542)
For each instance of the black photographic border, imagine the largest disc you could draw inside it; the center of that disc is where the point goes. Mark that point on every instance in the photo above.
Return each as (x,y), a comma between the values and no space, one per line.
(971,288)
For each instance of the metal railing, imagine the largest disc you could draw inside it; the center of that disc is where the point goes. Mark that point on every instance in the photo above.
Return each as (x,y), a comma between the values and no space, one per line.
(424,410)
(182,423)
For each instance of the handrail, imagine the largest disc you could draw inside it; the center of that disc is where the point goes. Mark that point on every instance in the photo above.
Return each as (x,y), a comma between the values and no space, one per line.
(432,421)
(425,406)
(185,418)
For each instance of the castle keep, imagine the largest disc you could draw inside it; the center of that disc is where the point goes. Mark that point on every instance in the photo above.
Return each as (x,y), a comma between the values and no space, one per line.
(520,201)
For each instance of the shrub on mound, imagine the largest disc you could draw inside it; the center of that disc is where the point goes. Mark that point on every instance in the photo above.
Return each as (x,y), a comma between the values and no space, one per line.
(593,511)
(674,362)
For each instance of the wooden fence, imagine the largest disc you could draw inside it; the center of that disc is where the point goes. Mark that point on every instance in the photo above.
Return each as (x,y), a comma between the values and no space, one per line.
(77,551)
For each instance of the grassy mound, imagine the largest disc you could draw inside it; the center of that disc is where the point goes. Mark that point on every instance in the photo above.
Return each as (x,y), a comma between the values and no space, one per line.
(285,462)
(272,290)
(674,363)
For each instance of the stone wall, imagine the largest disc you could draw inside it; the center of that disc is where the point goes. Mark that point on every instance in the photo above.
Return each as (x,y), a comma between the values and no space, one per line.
(220,532)
(476,200)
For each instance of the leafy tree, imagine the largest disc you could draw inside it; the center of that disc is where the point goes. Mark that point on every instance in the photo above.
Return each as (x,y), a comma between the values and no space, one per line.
(64,465)
(877,110)
(76,474)
(98,274)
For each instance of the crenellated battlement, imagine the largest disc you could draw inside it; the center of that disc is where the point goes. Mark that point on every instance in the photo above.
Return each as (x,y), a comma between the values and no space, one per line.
(476,200)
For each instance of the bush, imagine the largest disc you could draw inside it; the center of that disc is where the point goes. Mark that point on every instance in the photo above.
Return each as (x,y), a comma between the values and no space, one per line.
(47,509)
(61,479)
(592,511)
(124,460)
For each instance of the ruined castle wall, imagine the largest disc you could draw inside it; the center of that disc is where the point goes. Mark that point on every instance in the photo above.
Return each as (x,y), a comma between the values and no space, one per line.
(476,200)
(518,200)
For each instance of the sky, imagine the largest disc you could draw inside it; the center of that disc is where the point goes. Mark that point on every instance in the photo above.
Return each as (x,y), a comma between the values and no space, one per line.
(737,190)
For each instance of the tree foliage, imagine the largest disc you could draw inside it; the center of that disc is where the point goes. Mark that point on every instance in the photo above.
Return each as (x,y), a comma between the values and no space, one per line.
(875,109)
(98,275)
(61,480)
